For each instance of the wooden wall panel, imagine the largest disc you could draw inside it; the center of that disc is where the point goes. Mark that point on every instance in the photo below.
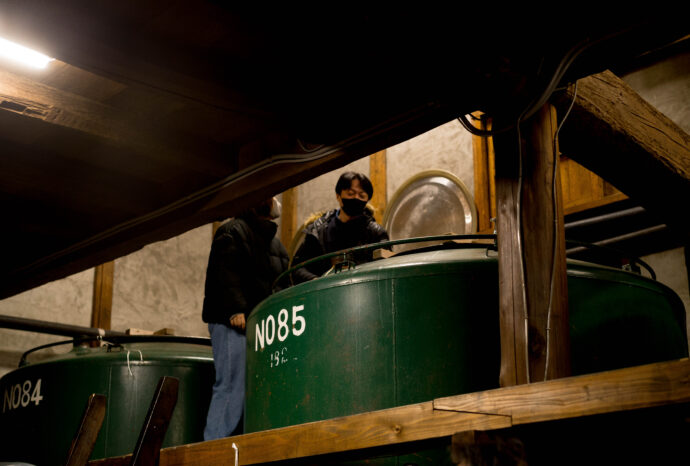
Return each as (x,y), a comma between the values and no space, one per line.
(379,178)
(103,295)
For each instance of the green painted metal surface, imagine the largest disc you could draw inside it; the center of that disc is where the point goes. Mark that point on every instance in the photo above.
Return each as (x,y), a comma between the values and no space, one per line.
(420,326)
(43,403)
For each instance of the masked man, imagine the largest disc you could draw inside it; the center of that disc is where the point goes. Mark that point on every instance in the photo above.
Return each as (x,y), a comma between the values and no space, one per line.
(350,225)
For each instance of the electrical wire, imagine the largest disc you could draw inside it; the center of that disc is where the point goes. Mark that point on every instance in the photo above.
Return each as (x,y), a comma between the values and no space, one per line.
(543,97)
(481,132)
(555,231)
(520,238)
(521,250)
(306,150)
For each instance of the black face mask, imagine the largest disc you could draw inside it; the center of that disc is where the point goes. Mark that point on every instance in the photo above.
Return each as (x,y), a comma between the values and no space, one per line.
(353,207)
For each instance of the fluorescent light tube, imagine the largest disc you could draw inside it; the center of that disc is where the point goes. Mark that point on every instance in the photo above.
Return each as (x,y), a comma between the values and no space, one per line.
(24,55)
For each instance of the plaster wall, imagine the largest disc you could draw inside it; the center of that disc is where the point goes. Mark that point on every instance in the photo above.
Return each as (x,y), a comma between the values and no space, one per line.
(66,301)
(162,285)
(670,270)
(448,147)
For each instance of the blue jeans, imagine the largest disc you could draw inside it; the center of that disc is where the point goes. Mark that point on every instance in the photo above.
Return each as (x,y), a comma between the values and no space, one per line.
(227,400)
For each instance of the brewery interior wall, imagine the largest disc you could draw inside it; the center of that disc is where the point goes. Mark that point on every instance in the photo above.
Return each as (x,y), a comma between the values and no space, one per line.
(161,285)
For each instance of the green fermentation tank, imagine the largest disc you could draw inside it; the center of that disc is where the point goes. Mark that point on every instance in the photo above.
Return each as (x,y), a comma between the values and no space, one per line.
(43,402)
(424,325)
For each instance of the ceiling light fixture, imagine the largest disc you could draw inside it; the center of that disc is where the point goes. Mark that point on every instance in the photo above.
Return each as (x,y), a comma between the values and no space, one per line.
(24,55)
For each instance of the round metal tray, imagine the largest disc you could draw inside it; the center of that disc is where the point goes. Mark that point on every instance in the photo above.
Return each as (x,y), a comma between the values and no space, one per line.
(432,202)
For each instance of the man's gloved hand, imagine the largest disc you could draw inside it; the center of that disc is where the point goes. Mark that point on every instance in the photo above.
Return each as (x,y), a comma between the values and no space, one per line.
(238,321)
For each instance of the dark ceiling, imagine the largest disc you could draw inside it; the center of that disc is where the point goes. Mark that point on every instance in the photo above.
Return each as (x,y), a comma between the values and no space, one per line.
(160,116)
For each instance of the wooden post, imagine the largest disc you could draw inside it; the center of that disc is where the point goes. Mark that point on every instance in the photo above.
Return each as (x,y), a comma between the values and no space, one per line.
(535,337)
(214,229)
(288,220)
(102,306)
(484,185)
(378,176)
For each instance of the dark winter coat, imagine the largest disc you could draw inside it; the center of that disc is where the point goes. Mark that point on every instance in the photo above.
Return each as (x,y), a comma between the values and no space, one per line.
(245,260)
(328,234)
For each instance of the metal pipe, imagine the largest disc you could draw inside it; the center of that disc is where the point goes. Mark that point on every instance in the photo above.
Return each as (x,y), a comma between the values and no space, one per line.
(605,217)
(54,328)
(620,238)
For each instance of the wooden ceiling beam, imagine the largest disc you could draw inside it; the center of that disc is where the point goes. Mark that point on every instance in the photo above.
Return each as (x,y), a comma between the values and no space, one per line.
(143,43)
(140,124)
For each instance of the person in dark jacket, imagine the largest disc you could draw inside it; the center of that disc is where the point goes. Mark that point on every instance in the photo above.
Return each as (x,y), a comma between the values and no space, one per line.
(349,226)
(245,260)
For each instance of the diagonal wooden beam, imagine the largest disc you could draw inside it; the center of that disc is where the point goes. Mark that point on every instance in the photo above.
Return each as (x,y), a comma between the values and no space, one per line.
(147,449)
(618,135)
(87,434)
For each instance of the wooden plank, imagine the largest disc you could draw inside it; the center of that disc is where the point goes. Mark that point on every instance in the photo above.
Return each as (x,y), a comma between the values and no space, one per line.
(483,178)
(578,183)
(148,446)
(616,134)
(378,428)
(583,189)
(379,178)
(647,386)
(288,218)
(585,395)
(535,337)
(87,434)
(102,306)
(581,206)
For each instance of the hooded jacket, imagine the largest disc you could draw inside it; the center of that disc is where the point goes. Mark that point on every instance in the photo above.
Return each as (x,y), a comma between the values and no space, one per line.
(328,234)
(245,260)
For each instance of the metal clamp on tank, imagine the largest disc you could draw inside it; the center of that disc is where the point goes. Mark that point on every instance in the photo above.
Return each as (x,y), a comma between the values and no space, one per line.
(341,262)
